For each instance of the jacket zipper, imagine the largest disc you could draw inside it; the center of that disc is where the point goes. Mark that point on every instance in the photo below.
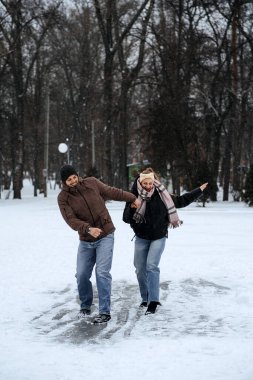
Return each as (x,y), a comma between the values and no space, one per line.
(87,206)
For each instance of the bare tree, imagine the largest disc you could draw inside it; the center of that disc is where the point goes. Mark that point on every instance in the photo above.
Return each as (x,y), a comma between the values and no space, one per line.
(129,74)
(203,78)
(76,47)
(113,37)
(18,20)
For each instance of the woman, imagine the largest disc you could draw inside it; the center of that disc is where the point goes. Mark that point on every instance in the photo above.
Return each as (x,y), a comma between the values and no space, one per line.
(82,205)
(150,223)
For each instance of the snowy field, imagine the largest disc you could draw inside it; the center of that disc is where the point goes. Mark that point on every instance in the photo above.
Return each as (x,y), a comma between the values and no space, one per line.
(202,331)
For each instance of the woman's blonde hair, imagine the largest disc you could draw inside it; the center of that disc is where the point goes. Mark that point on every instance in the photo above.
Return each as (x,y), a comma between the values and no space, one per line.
(150,170)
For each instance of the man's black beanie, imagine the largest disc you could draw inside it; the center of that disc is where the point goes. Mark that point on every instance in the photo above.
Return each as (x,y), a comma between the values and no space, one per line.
(66,171)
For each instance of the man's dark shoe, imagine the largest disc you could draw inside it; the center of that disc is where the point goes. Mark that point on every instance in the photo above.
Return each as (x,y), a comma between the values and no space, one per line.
(83,312)
(152,307)
(144,304)
(101,318)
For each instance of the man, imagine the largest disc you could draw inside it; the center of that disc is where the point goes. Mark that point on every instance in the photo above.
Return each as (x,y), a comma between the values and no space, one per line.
(82,205)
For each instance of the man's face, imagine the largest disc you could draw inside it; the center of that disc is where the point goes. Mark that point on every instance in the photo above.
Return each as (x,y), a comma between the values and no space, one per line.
(72,180)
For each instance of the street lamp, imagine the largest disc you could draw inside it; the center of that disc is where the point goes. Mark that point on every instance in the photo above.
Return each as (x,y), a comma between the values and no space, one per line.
(64,148)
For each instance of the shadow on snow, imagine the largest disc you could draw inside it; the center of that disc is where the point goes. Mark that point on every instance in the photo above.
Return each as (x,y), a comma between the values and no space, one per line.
(191,307)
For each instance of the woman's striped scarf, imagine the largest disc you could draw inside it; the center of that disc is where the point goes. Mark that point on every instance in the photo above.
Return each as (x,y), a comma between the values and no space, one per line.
(145,196)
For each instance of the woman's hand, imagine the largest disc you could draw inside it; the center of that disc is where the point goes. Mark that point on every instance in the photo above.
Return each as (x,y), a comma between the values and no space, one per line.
(95,232)
(202,187)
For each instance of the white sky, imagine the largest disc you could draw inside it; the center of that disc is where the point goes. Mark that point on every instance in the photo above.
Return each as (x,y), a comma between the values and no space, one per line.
(202,331)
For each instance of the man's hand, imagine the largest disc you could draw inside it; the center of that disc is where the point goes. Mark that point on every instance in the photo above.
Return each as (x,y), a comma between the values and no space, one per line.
(95,232)
(136,203)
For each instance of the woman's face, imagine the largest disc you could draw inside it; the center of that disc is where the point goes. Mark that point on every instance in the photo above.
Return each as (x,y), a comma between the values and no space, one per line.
(147,184)
(72,180)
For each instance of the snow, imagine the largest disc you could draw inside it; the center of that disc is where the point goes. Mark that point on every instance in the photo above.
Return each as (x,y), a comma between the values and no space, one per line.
(203,330)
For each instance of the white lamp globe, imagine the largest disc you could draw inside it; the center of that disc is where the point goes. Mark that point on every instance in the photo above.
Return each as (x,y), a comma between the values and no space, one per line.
(63,148)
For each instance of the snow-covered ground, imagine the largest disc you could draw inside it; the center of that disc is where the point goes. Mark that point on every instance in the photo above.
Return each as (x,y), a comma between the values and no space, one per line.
(202,331)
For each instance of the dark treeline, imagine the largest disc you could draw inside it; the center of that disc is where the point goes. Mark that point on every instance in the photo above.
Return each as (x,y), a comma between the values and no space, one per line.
(123,81)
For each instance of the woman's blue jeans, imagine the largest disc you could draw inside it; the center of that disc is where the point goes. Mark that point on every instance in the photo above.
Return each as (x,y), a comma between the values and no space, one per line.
(100,253)
(147,255)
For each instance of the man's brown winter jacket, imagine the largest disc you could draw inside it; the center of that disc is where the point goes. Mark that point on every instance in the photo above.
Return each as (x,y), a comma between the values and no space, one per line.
(83,206)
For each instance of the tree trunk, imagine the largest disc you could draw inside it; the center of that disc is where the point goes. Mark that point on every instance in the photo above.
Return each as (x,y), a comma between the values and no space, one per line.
(227,164)
(108,106)
(122,138)
(18,142)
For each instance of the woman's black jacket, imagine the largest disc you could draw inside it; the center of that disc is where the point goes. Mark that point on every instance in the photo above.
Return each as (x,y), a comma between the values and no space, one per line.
(156,219)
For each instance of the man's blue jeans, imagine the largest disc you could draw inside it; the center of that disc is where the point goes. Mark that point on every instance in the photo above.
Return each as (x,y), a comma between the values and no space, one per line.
(100,253)
(147,255)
